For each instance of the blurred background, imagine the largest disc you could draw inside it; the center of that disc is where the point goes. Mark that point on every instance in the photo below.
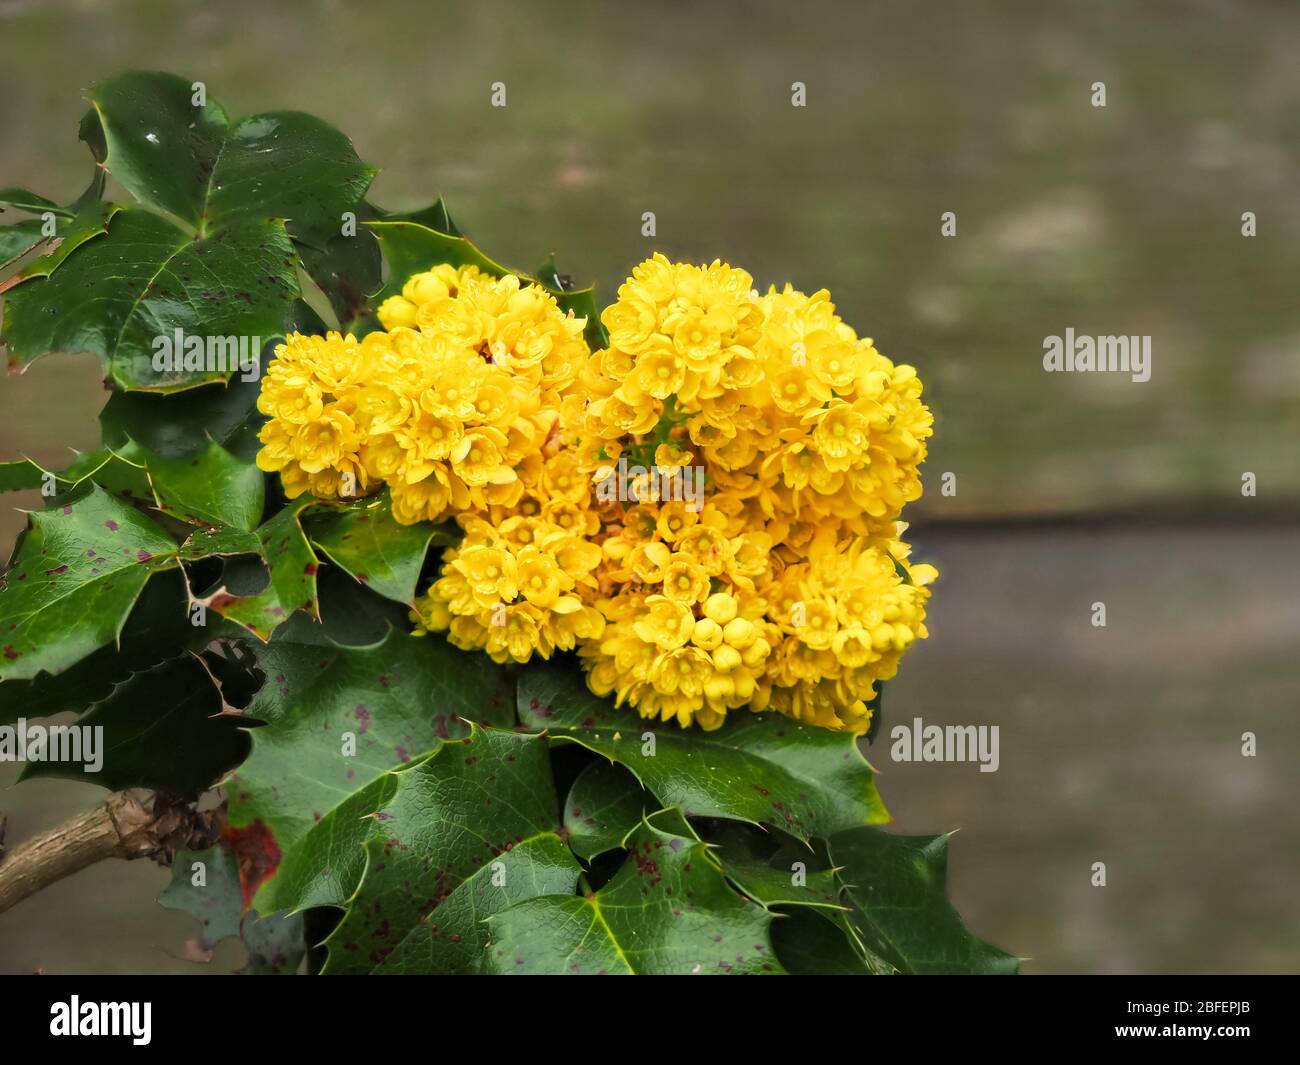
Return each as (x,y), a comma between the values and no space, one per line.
(1119,744)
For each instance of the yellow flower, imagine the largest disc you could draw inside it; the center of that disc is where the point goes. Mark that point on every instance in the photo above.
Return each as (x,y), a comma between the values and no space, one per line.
(685,581)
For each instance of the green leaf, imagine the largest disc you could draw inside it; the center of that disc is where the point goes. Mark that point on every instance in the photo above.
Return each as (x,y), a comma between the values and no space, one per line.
(286,165)
(156,142)
(761,768)
(410,247)
(164,729)
(812,943)
(292,565)
(120,296)
(19,475)
(605,803)
(212,487)
(275,944)
(158,628)
(347,269)
(69,235)
(775,885)
(896,886)
(365,539)
(119,472)
(465,833)
(219,541)
(181,423)
(31,202)
(396,699)
(191,162)
(667,911)
(73,581)
(16,241)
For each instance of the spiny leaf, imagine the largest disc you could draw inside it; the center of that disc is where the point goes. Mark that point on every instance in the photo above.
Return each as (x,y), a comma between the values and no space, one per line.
(144,280)
(667,911)
(19,475)
(287,555)
(365,539)
(211,487)
(275,944)
(466,832)
(896,888)
(73,225)
(338,718)
(756,767)
(73,581)
(157,628)
(181,423)
(190,161)
(813,943)
(605,803)
(162,728)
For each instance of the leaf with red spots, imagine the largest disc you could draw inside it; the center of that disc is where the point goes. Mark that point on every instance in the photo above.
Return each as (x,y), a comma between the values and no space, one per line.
(207,885)
(337,719)
(157,628)
(465,833)
(605,803)
(761,768)
(668,911)
(73,581)
(290,562)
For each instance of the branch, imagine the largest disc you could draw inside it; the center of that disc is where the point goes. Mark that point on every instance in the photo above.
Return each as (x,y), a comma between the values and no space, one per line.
(126,825)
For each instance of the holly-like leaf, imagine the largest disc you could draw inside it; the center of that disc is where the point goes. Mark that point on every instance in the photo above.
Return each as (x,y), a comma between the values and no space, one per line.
(206,885)
(605,803)
(175,149)
(69,235)
(411,247)
(667,911)
(762,768)
(782,885)
(211,487)
(896,887)
(72,225)
(812,943)
(338,718)
(31,202)
(292,564)
(181,423)
(73,581)
(144,280)
(163,729)
(468,831)
(157,628)
(219,541)
(365,539)
(121,473)
(19,475)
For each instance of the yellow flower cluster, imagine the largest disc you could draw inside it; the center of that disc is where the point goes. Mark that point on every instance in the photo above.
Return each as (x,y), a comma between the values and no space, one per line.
(522,581)
(790,589)
(707,509)
(452,407)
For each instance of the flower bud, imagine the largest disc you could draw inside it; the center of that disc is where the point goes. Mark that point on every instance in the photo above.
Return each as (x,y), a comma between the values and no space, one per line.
(721,607)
